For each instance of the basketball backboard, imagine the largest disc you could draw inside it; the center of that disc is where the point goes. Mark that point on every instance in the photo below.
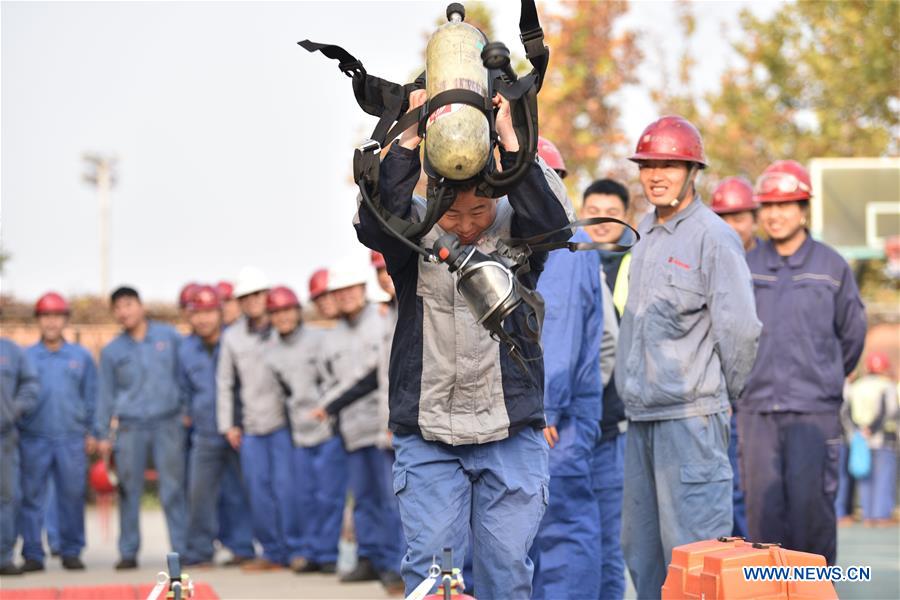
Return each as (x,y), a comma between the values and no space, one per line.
(856,203)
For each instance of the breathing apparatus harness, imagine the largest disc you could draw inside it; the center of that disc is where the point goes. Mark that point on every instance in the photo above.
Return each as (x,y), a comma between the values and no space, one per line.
(491,290)
(390,101)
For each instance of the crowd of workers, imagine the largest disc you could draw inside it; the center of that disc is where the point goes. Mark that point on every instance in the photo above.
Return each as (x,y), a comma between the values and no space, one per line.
(689,389)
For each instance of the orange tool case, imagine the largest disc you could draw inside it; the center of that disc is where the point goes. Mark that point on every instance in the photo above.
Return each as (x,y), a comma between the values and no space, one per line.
(713,570)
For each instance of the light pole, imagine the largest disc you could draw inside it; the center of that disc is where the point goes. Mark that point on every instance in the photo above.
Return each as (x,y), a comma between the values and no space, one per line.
(101,173)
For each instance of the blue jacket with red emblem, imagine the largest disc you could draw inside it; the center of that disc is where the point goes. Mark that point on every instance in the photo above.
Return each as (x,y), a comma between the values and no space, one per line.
(139,379)
(68,396)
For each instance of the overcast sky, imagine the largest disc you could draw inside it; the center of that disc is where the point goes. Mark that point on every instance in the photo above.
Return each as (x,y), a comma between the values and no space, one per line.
(234,144)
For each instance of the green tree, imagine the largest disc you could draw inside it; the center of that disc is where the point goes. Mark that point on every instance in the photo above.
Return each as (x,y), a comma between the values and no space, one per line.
(815,79)
(590,60)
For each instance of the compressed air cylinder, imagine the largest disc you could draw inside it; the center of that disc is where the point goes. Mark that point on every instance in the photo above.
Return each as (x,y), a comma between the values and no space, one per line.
(457,136)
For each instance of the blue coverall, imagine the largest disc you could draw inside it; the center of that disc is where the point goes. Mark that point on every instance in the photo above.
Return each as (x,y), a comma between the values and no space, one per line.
(52,447)
(566,551)
(814,327)
(138,386)
(18,397)
(214,466)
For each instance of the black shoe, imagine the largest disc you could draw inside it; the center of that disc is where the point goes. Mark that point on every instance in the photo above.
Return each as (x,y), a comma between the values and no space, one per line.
(307,567)
(392,582)
(72,563)
(364,571)
(54,553)
(11,569)
(126,564)
(30,565)
(329,568)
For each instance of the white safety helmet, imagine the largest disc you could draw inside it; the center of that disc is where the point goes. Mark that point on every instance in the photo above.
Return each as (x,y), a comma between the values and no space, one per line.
(249,281)
(348,273)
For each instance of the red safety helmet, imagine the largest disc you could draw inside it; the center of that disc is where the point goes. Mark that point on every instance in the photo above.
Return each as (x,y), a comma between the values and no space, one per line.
(734,194)
(783,181)
(318,283)
(378,260)
(551,155)
(51,303)
(103,478)
(281,297)
(877,363)
(184,296)
(670,138)
(204,298)
(225,289)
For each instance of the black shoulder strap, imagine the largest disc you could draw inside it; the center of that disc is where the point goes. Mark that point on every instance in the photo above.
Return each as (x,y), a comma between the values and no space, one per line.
(536,243)
(532,37)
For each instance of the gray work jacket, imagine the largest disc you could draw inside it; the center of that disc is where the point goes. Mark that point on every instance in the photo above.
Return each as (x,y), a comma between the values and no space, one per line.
(294,362)
(249,395)
(688,336)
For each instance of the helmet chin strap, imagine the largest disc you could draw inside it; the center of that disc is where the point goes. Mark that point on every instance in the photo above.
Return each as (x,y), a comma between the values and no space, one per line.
(692,173)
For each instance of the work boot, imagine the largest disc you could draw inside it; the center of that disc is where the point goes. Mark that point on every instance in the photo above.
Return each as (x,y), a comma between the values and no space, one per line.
(72,563)
(126,564)
(301,565)
(258,565)
(329,568)
(11,569)
(31,565)
(392,582)
(364,571)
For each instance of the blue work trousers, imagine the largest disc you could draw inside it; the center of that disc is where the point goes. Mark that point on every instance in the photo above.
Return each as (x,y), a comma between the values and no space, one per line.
(164,441)
(876,492)
(51,518)
(63,461)
(10,494)
(608,468)
(566,550)
(266,465)
(376,515)
(790,464)
(233,509)
(739,509)
(498,491)
(677,491)
(211,459)
(320,489)
(843,501)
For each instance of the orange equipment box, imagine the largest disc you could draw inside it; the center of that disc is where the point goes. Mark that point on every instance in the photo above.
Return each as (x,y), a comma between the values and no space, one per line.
(713,570)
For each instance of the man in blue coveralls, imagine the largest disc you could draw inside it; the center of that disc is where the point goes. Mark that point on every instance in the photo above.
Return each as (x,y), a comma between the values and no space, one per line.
(814,327)
(733,201)
(57,437)
(466,418)
(139,389)
(686,345)
(211,456)
(18,397)
(567,547)
(609,198)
